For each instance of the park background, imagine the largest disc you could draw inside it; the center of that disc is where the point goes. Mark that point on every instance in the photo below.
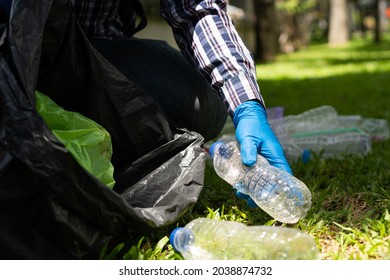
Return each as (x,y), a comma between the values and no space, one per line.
(309,53)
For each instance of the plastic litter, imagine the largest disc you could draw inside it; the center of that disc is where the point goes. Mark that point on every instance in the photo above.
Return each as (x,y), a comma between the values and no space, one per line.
(278,193)
(323,131)
(207,239)
(89,142)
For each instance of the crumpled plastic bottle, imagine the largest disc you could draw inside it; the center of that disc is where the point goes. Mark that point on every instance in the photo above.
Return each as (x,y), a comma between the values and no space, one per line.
(274,190)
(207,239)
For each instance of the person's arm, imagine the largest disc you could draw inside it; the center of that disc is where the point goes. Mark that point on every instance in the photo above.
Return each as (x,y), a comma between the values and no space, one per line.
(207,37)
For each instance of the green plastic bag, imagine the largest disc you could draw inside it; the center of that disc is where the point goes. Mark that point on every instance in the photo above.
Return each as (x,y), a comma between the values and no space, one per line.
(87,141)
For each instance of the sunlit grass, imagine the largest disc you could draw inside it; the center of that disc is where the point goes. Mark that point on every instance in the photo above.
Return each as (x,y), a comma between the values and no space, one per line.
(321,62)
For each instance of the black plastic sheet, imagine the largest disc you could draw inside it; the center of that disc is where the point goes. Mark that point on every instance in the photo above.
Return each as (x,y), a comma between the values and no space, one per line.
(50,207)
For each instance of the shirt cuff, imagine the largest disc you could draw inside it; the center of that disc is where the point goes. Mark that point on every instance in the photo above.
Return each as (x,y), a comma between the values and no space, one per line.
(239,89)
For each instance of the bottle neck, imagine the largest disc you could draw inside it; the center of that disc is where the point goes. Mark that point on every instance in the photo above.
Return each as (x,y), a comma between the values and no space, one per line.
(181,238)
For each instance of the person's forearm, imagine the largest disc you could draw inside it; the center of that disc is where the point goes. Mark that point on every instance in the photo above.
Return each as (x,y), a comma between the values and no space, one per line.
(207,37)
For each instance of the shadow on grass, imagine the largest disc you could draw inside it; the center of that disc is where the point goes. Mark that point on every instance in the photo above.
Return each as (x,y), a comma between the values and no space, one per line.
(342,61)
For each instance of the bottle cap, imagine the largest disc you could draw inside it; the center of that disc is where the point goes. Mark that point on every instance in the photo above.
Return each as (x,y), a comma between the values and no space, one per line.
(172,237)
(306,156)
(180,238)
(213,146)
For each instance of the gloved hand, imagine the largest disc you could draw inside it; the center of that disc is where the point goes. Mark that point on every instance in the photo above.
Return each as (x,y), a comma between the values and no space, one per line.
(255,135)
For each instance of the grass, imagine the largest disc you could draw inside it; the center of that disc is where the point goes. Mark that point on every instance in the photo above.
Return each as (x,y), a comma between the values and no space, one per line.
(349,218)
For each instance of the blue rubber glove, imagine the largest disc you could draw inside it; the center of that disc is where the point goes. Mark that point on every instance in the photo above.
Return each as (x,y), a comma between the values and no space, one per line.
(255,135)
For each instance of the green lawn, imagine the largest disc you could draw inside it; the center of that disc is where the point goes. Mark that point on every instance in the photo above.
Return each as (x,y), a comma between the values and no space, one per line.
(350,217)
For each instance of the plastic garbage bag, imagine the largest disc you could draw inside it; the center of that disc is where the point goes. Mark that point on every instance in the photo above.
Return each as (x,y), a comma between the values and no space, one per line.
(88,142)
(50,206)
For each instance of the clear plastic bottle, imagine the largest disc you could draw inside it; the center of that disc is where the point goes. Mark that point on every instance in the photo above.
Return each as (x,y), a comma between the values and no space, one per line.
(334,143)
(277,192)
(323,132)
(207,239)
(378,129)
(320,118)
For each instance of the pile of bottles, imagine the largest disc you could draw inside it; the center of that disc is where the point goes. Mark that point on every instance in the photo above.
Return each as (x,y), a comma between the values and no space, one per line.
(326,133)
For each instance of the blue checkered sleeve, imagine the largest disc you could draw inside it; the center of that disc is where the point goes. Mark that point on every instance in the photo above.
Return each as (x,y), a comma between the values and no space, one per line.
(207,37)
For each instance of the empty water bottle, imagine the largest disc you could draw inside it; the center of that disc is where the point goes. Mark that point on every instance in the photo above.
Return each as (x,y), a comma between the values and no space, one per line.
(277,192)
(207,239)
(320,118)
(378,129)
(323,132)
(335,143)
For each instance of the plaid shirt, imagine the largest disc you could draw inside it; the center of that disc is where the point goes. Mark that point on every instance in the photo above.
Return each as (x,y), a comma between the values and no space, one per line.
(99,18)
(204,33)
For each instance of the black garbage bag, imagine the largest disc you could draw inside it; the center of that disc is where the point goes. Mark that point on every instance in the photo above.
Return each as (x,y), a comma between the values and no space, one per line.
(50,206)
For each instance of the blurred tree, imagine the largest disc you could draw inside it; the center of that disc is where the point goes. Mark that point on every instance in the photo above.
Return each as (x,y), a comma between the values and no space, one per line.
(377,31)
(380,15)
(372,16)
(266,30)
(339,23)
(296,17)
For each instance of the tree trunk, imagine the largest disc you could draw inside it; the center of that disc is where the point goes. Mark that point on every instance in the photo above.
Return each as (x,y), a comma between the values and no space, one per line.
(382,16)
(266,30)
(363,28)
(338,26)
(377,30)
